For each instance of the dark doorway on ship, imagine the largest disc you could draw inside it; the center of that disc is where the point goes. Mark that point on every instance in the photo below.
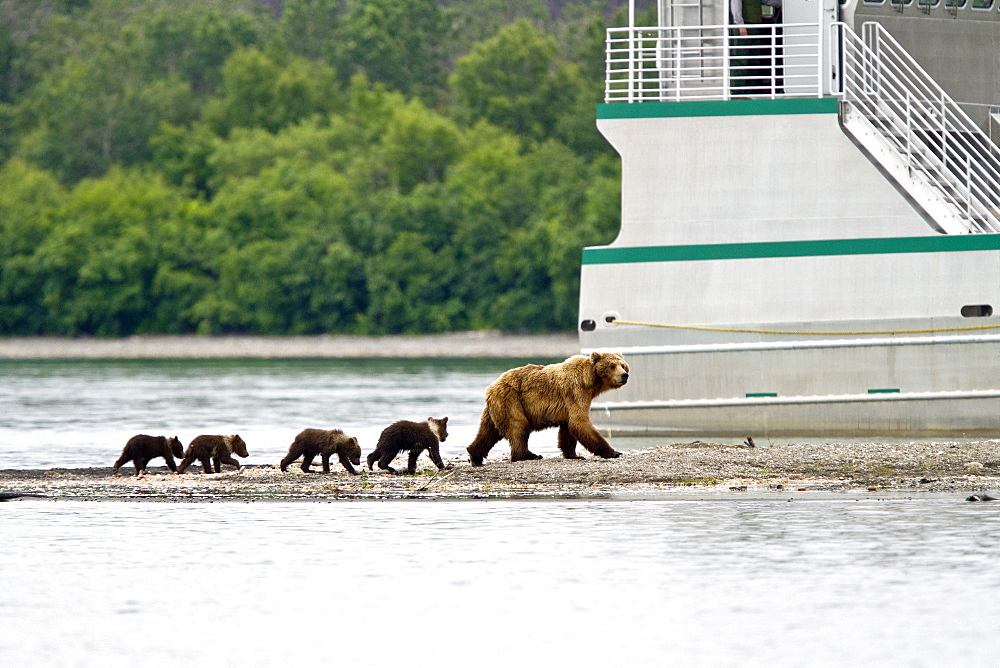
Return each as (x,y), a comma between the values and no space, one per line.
(757,60)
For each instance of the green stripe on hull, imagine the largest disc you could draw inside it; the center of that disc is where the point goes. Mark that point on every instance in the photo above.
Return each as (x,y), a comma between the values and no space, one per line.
(782,249)
(804,105)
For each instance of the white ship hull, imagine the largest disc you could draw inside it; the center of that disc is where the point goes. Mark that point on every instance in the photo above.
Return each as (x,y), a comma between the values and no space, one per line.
(906,388)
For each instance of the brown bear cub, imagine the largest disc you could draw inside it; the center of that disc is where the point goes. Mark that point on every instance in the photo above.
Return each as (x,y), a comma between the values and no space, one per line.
(412,436)
(325,442)
(142,448)
(535,397)
(214,450)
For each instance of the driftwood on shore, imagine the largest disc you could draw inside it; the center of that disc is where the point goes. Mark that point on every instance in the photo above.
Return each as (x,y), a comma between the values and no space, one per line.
(957,468)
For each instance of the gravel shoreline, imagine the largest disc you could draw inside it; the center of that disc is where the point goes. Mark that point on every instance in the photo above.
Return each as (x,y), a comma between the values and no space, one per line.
(452,345)
(683,470)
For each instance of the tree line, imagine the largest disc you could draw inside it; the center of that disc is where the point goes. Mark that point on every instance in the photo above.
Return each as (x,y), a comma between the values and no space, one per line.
(340,166)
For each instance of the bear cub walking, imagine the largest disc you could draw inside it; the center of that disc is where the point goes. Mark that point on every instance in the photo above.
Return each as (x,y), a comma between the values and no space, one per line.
(412,436)
(141,448)
(325,442)
(214,450)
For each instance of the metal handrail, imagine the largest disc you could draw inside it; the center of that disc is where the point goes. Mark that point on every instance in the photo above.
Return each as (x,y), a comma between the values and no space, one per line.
(710,62)
(933,135)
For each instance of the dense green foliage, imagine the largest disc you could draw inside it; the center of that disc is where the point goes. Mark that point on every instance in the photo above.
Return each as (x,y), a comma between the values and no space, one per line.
(345,166)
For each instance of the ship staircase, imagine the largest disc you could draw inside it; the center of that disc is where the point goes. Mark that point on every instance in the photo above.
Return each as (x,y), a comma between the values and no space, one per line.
(917,134)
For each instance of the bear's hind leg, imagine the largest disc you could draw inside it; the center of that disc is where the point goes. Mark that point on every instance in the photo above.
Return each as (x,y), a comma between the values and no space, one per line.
(385,460)
(292,455)
(121,461)
(519,444)
(186,462)
(486,438)
(411,467)
(226,459)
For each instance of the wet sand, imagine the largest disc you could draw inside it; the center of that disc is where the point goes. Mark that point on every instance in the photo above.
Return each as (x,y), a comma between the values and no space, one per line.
(682,470)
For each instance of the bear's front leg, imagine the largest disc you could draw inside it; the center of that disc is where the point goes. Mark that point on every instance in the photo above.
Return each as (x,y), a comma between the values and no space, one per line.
(435,452)
(567,444)
(344,460)
(581,428)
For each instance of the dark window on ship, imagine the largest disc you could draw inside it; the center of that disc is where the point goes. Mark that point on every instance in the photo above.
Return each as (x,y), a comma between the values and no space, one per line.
(977,311)
(982,4)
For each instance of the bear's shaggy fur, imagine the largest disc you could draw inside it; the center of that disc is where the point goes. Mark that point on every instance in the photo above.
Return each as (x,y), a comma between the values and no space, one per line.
(325,442)
(534,397)
(214,449)
(142,448)
(412,436)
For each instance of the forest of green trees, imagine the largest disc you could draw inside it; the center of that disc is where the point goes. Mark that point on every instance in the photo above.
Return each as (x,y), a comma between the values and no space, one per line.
(298,167)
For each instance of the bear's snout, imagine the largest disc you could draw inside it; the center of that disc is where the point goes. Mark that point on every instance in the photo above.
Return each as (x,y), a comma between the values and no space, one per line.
(624,377)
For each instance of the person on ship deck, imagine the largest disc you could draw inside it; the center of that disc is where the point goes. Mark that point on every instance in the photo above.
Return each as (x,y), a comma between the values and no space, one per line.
(757,51)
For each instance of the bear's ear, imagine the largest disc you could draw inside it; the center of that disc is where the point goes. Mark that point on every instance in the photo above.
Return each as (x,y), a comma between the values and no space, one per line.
(595,357)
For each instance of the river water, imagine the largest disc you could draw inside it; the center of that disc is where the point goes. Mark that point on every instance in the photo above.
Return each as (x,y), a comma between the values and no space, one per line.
(749,582)
(80,414)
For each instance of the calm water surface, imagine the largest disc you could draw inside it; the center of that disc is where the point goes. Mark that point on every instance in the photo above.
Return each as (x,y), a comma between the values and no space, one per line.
(500,583)
(477,583)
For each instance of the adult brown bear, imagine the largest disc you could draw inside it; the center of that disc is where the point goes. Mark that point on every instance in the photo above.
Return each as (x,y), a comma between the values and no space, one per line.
(214,450)
(141,448)
(534,397)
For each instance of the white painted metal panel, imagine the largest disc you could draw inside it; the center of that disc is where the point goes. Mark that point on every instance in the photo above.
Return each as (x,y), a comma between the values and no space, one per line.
(750,178)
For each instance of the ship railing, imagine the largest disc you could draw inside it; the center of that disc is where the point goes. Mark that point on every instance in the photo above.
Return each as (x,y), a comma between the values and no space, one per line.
(928,129)
(713,62)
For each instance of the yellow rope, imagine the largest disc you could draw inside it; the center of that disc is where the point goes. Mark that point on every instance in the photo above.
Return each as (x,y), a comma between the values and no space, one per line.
(802,333)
